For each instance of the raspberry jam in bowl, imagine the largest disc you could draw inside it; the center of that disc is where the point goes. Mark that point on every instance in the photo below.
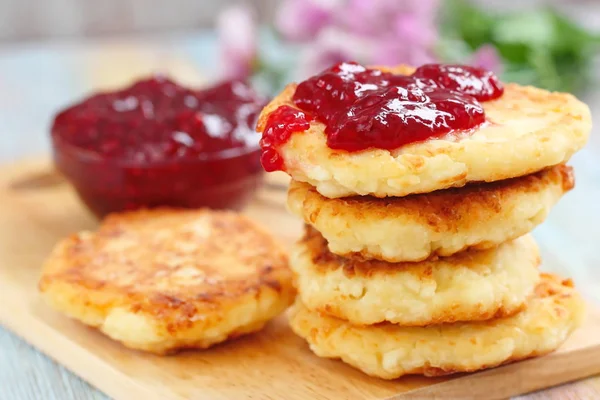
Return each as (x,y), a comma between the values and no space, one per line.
(157,143)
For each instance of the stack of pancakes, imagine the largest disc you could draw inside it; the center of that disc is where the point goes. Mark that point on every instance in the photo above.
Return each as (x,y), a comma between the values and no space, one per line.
(419,260)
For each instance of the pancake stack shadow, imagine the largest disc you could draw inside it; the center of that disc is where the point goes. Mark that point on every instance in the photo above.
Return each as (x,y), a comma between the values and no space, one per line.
(433,283)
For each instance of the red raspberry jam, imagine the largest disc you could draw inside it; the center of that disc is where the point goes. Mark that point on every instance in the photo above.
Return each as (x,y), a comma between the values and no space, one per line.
(366,108)
(281,124)
(157,143)
(472,81)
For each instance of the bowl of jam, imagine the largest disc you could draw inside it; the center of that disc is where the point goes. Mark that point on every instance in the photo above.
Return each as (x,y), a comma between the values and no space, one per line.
(157,143)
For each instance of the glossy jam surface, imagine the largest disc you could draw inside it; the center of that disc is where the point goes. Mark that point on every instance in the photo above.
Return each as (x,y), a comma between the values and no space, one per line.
(477,82)
(366,108)
(158,120)
(157,143)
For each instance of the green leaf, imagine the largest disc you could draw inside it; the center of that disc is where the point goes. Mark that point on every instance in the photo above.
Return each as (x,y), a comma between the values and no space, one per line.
(469,23)
(541,48)
(516,53)
(542,62)
(530,29)
(521,74)
(453,50)
(571,37)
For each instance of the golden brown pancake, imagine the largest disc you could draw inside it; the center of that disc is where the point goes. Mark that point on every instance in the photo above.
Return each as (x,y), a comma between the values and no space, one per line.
(389,351)
(528,129)
(445,222)
(469,286)
(165,280)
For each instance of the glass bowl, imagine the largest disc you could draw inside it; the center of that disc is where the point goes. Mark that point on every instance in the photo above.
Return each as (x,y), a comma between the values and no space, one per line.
(223,180)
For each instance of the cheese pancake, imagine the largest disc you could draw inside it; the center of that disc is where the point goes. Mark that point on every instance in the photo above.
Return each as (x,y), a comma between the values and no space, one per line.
(165,280)
(389,351)
(527,129)
(441,223)
(472,285)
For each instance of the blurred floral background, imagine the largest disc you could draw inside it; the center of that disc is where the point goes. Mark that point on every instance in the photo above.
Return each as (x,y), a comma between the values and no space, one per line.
(540,46)
(53,52)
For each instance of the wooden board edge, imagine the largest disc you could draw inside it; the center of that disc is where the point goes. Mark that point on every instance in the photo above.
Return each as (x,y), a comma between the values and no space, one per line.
(519,378)
(79,360)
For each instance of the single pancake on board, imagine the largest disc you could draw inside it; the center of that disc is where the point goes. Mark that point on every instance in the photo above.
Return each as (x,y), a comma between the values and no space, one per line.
(389,351)
(469,286)
(165,280)
(416,227)
(526,130)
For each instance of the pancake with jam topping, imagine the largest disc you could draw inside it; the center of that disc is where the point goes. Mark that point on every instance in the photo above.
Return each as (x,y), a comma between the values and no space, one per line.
(389,351)
(442,223)
(417,139)
(164,280)
(469,286)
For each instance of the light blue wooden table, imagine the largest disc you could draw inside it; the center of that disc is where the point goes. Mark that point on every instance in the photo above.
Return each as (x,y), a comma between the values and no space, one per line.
(38,79)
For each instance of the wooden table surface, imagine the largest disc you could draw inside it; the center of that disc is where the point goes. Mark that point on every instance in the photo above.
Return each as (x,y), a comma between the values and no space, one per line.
(37,79)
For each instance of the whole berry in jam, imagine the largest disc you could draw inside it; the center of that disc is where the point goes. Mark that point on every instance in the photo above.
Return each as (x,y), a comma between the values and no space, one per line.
(282,123)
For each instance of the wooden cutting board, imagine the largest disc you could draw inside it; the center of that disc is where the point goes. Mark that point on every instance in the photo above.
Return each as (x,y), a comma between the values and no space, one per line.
(38,208)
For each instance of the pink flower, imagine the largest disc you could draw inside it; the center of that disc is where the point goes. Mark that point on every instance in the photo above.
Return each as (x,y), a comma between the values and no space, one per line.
(391,52)
(487,57)
(331,47)
(367,31)
(410,39)
(320,59)
(236,27)
(300,20)
(414,29)
(387,17)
